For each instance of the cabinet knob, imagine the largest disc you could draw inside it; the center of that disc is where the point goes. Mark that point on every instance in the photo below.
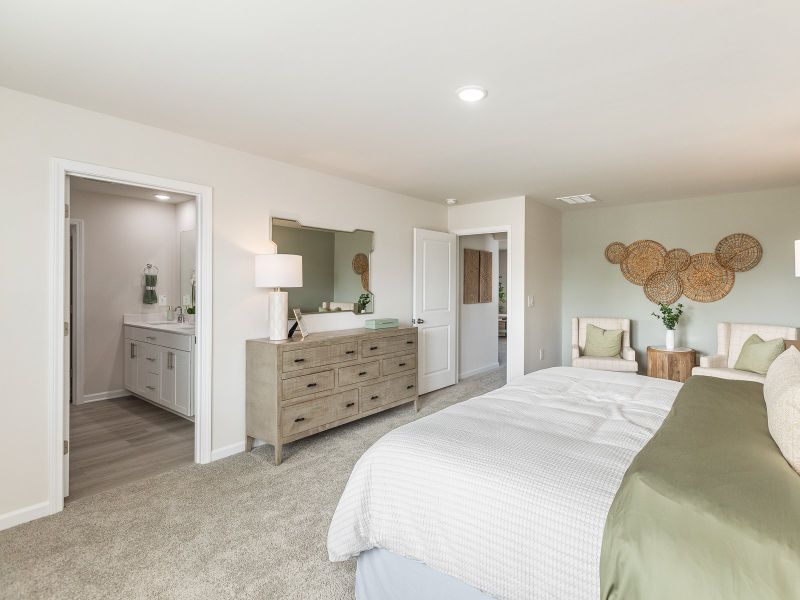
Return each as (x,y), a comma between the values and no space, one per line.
(299,360)
(298,419)
(374,397)
(408,387)
(312,385)
(349,404)
(401,364)
(350,352)
(362,373)
(409,341)
(373,347)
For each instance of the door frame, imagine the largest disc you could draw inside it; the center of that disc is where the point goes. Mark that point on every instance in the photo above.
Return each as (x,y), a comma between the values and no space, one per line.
(77,332)
(517,330)
(60,169)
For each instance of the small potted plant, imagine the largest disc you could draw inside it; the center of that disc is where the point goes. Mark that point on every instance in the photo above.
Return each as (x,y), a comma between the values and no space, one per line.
(670,317)
(363,301)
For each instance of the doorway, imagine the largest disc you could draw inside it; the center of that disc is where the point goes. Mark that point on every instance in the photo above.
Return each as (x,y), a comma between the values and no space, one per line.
(68,343)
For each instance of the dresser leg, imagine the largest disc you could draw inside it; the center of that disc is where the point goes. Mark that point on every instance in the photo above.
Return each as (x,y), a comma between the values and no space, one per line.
(278,454)
(416,404)
(248,443)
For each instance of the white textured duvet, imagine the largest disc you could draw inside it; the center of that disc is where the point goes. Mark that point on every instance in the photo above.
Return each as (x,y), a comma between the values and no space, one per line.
(508,491)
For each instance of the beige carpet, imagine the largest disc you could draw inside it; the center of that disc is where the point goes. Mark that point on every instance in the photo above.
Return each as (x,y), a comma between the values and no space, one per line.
(237,528)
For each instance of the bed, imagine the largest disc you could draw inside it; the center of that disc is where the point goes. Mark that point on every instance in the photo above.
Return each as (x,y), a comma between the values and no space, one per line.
(502,496)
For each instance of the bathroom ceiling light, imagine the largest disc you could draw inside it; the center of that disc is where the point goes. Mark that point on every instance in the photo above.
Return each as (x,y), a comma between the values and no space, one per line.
(472,93)
(450,201)
(162,197)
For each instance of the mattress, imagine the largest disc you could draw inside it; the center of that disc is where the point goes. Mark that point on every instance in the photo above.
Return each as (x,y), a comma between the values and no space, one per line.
(507,492)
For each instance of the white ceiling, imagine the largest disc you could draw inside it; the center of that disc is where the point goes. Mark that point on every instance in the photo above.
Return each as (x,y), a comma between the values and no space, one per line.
(126,191)
(627,100)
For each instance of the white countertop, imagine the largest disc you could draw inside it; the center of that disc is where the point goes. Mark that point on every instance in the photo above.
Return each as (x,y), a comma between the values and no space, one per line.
(159,324)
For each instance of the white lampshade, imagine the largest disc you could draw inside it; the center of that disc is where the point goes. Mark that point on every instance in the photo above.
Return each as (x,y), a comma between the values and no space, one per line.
(797,258)
(279,270)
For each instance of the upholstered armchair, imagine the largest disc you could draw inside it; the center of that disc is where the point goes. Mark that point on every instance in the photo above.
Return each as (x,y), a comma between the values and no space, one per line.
(730,339)
(626,361)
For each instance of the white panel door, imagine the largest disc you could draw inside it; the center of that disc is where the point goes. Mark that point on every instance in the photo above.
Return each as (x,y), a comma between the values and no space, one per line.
(435,267)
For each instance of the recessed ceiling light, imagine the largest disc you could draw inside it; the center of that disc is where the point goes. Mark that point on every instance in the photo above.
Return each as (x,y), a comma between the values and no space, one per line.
(450,201)
(162,197)
(472,93)
(579,199)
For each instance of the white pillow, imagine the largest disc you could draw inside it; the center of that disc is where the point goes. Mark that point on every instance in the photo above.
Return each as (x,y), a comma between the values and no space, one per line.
(782,396)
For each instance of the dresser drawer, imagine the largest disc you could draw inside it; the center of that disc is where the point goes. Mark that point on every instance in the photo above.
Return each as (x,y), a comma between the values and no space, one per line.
(315,413)
(390,366)
(149,385)
(386,392)
(307,384)
(387,345)
(160,338)
(149,358)
(359,373)
(294,360)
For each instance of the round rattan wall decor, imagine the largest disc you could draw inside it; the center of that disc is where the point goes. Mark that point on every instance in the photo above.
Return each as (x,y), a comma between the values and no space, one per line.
(663,287)
(677,260)
(705,280)
(739,252)
(615,252)
(643,258)
(360,263)
(365,280)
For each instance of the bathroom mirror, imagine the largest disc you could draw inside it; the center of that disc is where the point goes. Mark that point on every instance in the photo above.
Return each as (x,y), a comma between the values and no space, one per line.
(336,267)
(188,246)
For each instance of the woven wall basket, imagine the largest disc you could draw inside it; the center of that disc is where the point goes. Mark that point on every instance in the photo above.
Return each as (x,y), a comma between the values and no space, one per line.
(616,252)
(705,280)
(663,287)
(677,260)
(360,263)
(739,252)
(643,258)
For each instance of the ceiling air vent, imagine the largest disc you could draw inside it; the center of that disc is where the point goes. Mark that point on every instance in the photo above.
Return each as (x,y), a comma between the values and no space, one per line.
(579,199)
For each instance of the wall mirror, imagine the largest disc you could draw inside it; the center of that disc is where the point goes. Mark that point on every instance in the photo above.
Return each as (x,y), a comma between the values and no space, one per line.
(188,247)
(336,267)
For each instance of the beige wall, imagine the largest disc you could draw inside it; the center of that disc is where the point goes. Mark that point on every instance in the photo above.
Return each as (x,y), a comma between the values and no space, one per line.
(248,190)
(543,286)
(121,235)
(767,294)
(477,322)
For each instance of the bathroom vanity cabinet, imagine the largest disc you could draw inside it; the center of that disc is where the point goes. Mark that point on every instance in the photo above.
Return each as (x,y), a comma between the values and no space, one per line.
(159,365)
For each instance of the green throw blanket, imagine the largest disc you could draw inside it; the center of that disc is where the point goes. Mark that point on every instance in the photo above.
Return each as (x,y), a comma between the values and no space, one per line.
(709,509)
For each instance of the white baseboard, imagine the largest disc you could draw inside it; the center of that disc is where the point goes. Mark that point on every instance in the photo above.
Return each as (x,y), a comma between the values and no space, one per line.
(109,395)
(479,370)
(23,515)
(226,451)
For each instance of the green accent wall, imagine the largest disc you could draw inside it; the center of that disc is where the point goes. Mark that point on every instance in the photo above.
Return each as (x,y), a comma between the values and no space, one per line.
(770,293)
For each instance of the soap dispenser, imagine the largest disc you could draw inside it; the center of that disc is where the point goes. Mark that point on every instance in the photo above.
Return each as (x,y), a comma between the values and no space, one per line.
(170,313)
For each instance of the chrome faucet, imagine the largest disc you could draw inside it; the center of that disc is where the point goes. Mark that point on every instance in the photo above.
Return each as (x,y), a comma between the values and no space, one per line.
(181,318)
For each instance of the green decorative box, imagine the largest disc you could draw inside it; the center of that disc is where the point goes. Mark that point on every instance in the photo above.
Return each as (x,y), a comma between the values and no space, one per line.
(381,323)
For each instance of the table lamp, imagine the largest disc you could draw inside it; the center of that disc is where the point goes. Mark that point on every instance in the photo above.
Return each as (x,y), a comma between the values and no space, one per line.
(279,271)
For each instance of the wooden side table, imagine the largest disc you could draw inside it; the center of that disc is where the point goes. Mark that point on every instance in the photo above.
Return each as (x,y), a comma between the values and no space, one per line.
(674,364)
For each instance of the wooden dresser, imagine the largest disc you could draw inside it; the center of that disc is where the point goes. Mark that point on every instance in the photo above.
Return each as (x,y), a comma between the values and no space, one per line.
(299,387)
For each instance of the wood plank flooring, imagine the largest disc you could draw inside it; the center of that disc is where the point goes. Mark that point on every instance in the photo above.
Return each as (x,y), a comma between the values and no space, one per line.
(113,442)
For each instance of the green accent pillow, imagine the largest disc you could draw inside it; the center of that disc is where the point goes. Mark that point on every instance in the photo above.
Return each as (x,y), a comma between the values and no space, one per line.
(602,342)
(757,355)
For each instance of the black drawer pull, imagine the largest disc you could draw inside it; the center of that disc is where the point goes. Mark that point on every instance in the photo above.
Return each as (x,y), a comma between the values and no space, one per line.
(312,385)
(409,341)
(362,373)
(349,404)
(298,419)
(408,387)
(401,364)
(297,360)
(374,397)
(350,352)
(373,347)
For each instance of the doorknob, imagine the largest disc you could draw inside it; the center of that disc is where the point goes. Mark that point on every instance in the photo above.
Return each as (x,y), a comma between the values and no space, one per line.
(420,321)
